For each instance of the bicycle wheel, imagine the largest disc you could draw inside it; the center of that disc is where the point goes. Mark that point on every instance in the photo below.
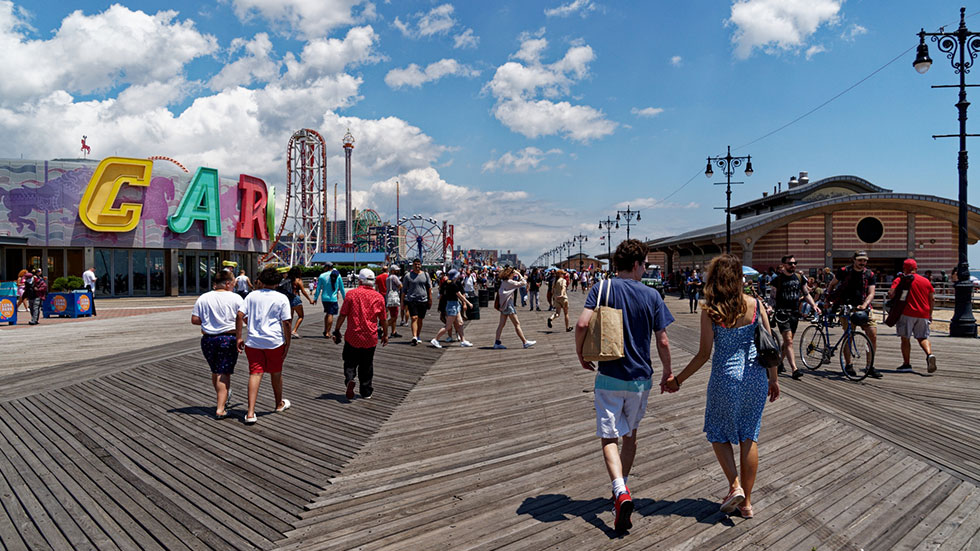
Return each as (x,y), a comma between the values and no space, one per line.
(812,347)
(862,356)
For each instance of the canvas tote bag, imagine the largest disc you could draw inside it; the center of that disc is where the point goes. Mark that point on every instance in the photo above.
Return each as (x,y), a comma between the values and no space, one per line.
(604,338)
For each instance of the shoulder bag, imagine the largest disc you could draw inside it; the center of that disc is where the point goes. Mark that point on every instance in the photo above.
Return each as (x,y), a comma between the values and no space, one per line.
(604,338)
(766,342)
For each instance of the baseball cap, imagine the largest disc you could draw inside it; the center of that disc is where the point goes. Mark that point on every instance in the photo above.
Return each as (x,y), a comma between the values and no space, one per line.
(452,274)
(328,265)
(860,254)
(909,265)
(366,276)
(394,268)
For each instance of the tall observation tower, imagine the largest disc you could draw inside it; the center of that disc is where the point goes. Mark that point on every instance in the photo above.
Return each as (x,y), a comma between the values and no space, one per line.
(349,225)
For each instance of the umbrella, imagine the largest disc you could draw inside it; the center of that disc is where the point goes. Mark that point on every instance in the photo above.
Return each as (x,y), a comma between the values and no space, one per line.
(749,271)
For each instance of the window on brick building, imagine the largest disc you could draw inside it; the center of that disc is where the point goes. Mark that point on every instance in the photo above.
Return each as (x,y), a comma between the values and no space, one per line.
(870,229)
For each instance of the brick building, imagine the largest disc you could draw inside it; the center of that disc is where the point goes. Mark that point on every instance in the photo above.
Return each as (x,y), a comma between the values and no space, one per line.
(823,222)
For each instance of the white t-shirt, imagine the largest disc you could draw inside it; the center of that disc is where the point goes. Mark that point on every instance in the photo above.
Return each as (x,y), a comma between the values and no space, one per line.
(88,277)
(217,310)
(241,283)
(394,284)
(265,311)
(468,284)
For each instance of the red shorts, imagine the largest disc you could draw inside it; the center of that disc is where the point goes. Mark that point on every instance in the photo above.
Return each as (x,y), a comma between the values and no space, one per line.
(393,312)
(262,360)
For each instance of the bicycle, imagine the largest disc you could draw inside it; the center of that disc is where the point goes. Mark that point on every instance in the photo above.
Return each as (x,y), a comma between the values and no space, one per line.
(816,350)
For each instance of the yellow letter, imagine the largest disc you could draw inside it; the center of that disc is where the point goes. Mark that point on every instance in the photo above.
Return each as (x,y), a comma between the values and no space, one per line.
(95,208)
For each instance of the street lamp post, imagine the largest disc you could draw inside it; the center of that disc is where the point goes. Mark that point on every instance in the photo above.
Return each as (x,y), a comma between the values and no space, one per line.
(728,164)
(580,238)
(628,215)
(962,42)
(607,224)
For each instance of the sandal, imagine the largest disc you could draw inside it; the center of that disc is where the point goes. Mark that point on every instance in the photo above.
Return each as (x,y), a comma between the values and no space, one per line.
(220,416)
(285,405)
(251,420)
(732,500)
(745,511)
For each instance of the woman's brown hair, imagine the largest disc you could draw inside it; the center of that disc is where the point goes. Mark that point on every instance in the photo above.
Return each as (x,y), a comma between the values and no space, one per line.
(723,290)
(506,273)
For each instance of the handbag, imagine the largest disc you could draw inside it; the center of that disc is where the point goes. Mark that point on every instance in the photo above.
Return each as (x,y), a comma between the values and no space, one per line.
(767,346)
(604,337)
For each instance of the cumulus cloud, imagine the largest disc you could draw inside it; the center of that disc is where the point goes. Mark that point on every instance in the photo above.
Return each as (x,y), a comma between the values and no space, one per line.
(525,160)
(676,61)
(466,39)
(255,65)
(814,50)
(92,53)
(853,32)
(324,56)
(415,76)
(304,17)
(647,112)
(438,20)
(779,25)
(516,87)
(581,7)
(654,203)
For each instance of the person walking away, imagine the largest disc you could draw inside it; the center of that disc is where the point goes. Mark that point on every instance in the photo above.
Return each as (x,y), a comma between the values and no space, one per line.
(88,281)
(533,288)
(917,315)
(242,284)
(418,297)
(294,282)
(738,385)
(790,287)
(35,290)
(363,310)
(20,291)
(455,299)
(269,317)
(560,300)
(622,386)
(510,282)
(694,290)
(469,289)
(329,288)
(551,283)
(216,312)
(393,299)
(857,289)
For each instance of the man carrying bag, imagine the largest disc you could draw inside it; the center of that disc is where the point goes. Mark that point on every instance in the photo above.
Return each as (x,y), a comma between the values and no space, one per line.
(621,344)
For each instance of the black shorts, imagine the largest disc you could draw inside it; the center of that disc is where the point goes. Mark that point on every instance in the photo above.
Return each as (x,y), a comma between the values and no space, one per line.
(417,309)
(786,320)
(330,308)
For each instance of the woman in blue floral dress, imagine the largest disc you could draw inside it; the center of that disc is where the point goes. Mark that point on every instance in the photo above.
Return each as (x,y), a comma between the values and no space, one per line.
(738,386)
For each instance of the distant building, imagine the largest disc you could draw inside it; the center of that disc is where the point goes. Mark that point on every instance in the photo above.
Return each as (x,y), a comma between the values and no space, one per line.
(580,261)
(508,259)
(481,257)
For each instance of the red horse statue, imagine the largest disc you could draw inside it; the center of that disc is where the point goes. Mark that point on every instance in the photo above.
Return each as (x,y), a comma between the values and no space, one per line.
(85,149)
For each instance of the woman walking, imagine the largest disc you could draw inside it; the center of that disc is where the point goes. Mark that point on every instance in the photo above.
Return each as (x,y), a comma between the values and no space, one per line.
(296,301)
(737,388)
(560,300)
(510,281)
(452,290)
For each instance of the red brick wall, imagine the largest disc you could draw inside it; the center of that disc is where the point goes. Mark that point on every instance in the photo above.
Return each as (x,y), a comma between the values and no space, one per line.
(769,250)
(805,240)
(937,256)
(895,236)
(657,258)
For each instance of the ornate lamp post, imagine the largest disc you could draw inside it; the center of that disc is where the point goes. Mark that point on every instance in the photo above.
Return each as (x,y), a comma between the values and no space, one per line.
(957,46)
(580,238)
(628,215)
(728,164)
(607,225)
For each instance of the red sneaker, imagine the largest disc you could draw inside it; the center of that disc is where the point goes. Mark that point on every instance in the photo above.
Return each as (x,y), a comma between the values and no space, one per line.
(624,508)
(350,390)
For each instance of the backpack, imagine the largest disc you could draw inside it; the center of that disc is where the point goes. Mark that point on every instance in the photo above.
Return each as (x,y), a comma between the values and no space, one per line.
(40,286)
(286,287)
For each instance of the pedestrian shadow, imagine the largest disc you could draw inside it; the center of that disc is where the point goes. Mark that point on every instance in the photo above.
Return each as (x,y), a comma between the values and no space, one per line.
(342,398)
(194,410)
(559,507)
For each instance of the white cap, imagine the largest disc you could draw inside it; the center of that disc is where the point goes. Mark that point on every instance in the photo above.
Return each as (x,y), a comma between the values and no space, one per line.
(366,276)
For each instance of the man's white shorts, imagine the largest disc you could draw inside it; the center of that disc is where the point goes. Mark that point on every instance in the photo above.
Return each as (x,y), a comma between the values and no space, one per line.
(618,412)
(909,327)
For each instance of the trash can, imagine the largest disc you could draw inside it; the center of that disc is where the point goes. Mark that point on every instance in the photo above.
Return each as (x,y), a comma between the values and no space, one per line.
(8,302)
(474,312)
(484,299)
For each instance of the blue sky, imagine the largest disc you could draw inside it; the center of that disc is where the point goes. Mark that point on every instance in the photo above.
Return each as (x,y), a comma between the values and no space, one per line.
(523,123)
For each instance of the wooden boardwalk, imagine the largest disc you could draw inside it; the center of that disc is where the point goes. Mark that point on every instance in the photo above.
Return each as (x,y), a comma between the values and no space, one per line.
(476,449)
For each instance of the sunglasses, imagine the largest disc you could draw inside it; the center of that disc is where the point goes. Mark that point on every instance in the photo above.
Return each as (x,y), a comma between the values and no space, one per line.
(791,263)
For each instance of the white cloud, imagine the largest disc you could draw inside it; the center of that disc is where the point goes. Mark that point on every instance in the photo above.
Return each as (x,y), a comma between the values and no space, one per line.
(647,112)
(438,20)
(325,56)
(308,18)
(516,87)
(415,76)
(466,39)
(256,65)
(853,32)
(91,53)
(779,25)
(582,7)
(525,160)
(676,61)
(654,203)
(814,50)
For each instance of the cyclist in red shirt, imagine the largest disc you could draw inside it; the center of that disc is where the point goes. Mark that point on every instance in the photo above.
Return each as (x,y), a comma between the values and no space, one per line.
(364,307)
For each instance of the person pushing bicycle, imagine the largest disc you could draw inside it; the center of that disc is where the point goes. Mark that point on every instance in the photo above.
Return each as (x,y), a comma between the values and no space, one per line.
(790,287)
(857,288)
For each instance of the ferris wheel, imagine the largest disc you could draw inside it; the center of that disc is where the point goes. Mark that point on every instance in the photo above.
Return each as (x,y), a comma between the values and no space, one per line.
(423,239)
(365,220)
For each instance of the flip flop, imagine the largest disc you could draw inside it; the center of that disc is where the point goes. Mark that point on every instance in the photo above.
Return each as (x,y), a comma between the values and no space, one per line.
(285,405)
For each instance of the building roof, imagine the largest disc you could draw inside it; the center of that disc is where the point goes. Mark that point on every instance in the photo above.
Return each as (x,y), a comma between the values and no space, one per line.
(793,195)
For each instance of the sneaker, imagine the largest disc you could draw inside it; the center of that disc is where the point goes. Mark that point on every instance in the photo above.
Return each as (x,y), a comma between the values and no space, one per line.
(415,341)
(906,367)
(797,374)
(498,346)
(874,373)
(465,344)
(529,344)
(394,335)
(850,370)
(931,362)
(568,329)
(781,369)
(435,343)
(537,309)
(350,390)
(732,500)
(549,323)
(285,405)
(447,339)
(624,508)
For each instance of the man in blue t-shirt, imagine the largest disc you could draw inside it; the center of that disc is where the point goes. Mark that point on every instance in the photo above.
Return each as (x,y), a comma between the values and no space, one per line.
(623,386)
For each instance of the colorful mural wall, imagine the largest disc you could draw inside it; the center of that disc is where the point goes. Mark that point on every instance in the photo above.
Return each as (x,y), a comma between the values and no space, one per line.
(160,206)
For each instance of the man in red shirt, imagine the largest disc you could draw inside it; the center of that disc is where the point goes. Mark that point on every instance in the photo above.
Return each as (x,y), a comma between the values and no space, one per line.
(916,316)
(365,308)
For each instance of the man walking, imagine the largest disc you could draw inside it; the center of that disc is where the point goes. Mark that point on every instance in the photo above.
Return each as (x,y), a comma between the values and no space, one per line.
(89,279)
(329,285)
(364,307)
(418,297)
(35,289)
(242,284)
(917,314)
(623,386)
(790,286)
(857,289)
(393,299)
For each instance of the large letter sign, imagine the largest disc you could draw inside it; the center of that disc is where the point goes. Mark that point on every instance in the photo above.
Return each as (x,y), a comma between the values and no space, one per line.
(253,213)
(200,202)
(95,208)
